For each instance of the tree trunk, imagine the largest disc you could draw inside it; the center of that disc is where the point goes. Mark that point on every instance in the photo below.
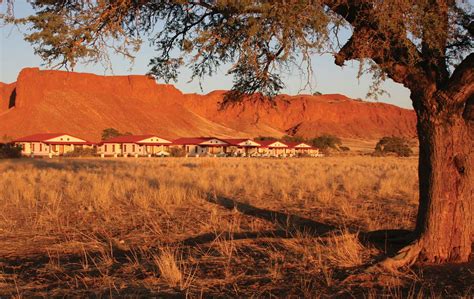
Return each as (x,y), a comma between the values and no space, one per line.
(445,223)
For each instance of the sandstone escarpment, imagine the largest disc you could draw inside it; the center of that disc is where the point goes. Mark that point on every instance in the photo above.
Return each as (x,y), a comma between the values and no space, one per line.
(85,104)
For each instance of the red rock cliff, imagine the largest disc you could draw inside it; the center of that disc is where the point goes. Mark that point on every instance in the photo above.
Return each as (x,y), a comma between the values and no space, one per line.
(85,104)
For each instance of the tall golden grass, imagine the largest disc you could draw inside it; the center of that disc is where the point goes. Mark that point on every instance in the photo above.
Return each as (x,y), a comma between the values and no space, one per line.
(157,226)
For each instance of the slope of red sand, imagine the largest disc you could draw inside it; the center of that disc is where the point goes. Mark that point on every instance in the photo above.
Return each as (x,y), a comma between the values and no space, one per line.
(85,104)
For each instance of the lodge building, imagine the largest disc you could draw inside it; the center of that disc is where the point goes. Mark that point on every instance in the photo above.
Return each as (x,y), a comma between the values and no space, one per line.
(58,144)
(134,145)
(50,144)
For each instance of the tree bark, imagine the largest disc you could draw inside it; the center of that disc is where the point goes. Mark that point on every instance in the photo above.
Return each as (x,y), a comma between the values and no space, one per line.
(445,222)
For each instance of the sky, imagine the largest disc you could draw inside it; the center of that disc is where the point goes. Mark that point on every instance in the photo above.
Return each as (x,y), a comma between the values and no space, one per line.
(16,54)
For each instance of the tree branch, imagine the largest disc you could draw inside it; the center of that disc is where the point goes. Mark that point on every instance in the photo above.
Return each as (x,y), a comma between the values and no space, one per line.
(460,86)
(353,49)
(394,60)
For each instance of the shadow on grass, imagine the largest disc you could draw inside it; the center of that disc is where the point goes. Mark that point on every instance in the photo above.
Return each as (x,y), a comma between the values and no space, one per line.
(79,274)
(289,225)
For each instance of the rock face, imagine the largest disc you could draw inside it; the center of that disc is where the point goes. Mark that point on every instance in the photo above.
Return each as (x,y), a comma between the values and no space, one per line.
(85,104)
(7,97)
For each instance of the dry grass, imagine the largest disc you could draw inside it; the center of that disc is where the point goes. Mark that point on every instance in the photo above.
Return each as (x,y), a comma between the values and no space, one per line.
(200,227)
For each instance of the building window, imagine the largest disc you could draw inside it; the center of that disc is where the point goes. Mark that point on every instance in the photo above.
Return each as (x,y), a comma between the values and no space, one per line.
(133,148)
(113,147)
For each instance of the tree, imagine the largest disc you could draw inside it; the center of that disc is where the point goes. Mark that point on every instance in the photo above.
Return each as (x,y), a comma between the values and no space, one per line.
(426,45)
(288,138)
(112,133)
(326,142)
(9,151)
(393,144)
(265,138)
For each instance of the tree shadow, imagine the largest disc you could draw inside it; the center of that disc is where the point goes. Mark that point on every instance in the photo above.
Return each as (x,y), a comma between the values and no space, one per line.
(289,222)
(227,236)
(289,225)
(58,272)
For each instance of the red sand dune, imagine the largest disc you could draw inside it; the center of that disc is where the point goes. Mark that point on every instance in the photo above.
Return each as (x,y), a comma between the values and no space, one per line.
(85,104)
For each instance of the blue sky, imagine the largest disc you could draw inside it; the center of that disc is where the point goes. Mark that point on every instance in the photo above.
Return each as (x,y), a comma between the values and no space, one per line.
(16,54)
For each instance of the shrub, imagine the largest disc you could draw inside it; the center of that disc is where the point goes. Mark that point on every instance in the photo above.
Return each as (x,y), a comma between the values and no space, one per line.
(177,152)
(393,145)
(8,151)
(265,138)
(288,138)
(81,152)
(112,133)
(324,142)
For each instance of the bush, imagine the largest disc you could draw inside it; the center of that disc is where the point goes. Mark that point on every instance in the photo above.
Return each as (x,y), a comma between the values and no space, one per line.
(393,145)
(112,133)
(81,152)
(177,152)
(325,142)
(8,151)
(265,138)
(288,138)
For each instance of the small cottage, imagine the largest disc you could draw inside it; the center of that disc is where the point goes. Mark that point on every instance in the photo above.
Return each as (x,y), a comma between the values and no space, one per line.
(135,146)
(202,146)
(242,147)
(273,148)
(301,149)
(50,144)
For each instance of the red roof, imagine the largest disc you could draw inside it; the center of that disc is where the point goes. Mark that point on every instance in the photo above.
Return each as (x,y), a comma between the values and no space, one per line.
(236,141)
(132,139)
(267,143)
(38,137)
(295,144)
(71,142)
(195,140)
(46,136)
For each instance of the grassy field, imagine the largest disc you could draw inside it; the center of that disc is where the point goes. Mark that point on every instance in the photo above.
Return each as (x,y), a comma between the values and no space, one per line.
(209,227)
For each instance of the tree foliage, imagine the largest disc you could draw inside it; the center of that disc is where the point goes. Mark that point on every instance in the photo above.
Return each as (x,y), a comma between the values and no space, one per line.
(8,151)
(112,133)
(259,39)
(266,138)
(325,142)
(393,145)
(288,138)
